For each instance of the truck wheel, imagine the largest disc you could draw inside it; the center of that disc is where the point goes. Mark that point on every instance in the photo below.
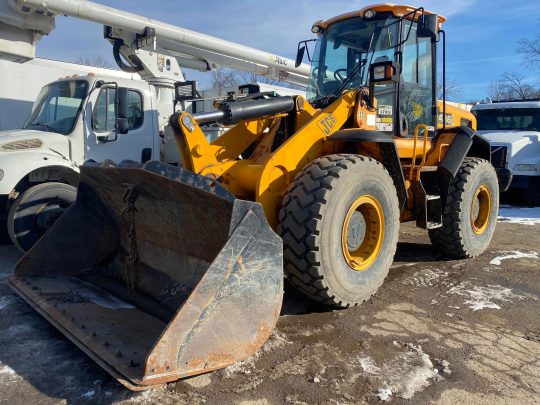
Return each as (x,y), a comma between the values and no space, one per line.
(340,226)
(36,210)
(470,215)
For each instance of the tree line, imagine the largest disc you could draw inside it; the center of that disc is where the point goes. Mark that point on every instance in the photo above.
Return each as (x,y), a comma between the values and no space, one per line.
(514,85)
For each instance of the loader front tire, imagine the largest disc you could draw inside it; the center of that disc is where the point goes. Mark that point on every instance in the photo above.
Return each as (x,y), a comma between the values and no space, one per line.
(340,225)
(36,210)
(471,210)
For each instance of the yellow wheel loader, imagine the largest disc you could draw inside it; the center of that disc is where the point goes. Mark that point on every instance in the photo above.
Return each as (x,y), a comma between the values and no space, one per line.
(160,272)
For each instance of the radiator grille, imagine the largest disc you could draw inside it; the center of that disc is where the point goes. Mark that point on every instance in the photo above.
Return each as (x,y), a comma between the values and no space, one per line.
(498,156)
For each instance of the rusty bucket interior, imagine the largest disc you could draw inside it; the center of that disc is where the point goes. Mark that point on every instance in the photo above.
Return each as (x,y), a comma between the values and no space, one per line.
(156,273)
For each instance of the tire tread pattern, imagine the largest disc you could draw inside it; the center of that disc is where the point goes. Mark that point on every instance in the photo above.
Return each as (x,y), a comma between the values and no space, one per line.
(449,237)
(300,221)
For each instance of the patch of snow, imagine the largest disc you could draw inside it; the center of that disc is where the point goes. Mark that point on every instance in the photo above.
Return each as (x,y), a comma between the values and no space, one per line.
(425,278)
(102,298)
(368,365)
(396,265)
(519,215)
(404,375)
(514,255)
(384,394)
(89,394)
(482,297)
(6,370)
(449,314)
(276,341)
(5,302)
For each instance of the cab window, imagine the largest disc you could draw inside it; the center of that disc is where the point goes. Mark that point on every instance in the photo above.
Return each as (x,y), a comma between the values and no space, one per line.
(416,92)
(104,114)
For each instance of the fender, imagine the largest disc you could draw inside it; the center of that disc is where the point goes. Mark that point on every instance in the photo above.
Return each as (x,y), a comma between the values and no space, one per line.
(388,150)
(17,167)
(467,142)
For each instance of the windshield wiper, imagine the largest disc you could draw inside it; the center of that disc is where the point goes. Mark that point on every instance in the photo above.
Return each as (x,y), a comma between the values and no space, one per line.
(357,69)
(47,127)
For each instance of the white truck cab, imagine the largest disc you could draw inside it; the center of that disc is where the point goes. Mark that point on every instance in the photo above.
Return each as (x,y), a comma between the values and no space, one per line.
(73,120)
(513,130)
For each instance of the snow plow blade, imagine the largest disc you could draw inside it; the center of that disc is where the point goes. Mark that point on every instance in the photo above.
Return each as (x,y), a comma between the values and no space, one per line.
(156,273)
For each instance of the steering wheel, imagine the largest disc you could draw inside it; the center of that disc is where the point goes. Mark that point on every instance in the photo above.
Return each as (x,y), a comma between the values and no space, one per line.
(338,76)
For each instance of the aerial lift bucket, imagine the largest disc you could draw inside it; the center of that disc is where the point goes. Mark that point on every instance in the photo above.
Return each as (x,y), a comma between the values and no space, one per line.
(157,273)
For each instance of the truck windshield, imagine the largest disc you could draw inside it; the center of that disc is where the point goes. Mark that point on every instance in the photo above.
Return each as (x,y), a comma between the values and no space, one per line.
(519,119)
(57,106)
(345,45)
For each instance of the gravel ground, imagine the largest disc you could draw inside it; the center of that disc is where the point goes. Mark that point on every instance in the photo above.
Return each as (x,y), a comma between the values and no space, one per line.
(438,331)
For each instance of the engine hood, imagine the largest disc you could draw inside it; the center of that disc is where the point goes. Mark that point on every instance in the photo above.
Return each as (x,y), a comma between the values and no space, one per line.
(51,142)
(514,140)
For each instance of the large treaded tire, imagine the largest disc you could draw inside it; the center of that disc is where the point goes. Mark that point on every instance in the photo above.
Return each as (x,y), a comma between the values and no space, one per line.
(456,237)
(311,223)
(24,214)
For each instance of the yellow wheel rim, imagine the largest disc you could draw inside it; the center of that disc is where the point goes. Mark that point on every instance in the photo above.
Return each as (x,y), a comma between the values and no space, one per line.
(481,209)
(367,210)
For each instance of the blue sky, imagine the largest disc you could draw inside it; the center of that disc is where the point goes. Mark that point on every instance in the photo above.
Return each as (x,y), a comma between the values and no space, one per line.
(481,43)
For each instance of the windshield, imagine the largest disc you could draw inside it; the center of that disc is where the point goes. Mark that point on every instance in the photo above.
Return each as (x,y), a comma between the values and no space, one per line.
(345,45)
(57,106)
(521,119)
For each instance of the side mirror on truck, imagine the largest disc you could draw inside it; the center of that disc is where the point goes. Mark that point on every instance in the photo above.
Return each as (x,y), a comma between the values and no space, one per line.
(300,55)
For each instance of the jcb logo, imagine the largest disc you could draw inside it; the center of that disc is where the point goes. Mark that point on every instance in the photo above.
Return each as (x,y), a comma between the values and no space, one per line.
(327,123)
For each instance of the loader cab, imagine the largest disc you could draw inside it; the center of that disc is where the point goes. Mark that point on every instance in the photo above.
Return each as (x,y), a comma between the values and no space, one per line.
(348,47)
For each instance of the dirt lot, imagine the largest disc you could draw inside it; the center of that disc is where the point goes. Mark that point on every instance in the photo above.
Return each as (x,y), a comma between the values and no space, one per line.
(438,331)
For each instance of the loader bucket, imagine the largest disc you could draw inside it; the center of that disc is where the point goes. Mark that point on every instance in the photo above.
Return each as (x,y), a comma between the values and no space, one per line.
(156,273)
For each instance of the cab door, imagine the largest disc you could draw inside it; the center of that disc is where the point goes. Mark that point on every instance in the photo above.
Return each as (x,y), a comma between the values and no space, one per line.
(103,142)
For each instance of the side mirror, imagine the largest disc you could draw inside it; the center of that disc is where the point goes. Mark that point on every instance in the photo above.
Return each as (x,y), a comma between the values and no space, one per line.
(300,55)
(122,124)
(428,26)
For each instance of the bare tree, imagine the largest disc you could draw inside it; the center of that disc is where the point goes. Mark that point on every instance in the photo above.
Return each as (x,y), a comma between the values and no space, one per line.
(94,60)
(512,87)
(530,50)
(253,78)
(224,77)
(454,90)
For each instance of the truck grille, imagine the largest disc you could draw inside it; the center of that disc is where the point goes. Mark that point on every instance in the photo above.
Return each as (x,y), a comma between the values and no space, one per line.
(498,156)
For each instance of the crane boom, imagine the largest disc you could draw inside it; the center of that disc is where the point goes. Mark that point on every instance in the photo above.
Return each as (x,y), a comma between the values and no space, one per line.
(191,49)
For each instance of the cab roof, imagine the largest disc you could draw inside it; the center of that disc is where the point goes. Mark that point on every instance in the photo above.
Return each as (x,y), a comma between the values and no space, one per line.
(500,105)
(396,9)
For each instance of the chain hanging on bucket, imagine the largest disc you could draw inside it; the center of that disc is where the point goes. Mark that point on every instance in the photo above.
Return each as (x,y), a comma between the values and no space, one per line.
(132,258)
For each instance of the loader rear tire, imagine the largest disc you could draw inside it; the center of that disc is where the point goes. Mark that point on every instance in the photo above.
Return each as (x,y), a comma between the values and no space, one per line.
(36,210)
(471,210)
(340,226)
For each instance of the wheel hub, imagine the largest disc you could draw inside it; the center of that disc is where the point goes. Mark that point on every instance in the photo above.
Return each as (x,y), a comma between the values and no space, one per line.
(47,216)
(362,234)
(481,209)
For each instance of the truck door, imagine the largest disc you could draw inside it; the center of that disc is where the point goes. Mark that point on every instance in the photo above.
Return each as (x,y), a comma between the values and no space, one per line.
(102,140)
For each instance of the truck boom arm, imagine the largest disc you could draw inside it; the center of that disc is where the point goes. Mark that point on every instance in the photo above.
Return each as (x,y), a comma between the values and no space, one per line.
(191,49)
